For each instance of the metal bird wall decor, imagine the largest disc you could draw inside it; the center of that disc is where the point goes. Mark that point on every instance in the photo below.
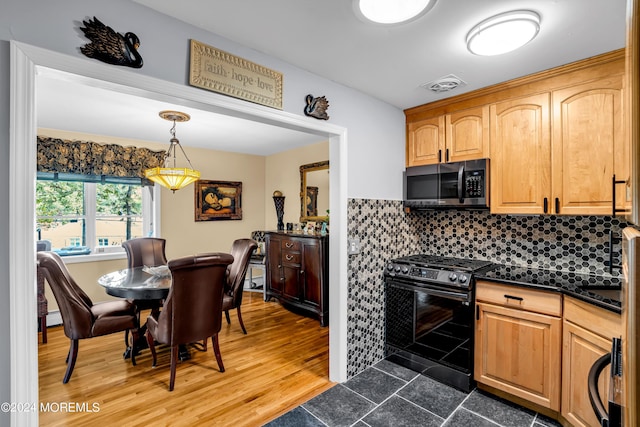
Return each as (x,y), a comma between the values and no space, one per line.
(110,47)
(317,107)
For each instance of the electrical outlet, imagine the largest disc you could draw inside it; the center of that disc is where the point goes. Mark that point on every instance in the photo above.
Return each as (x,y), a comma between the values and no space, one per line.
(354,246)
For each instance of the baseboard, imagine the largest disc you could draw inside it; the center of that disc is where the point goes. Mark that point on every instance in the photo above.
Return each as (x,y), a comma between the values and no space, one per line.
(54,318)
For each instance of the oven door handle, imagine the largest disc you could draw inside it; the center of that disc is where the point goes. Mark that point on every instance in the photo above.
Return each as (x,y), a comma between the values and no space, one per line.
(457,296)
(594,395)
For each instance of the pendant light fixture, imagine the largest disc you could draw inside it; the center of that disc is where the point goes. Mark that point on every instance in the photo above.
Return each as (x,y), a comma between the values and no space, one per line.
(171,176)
(503,33)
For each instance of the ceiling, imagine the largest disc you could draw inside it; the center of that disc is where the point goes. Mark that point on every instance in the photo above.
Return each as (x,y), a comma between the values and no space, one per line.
(391,62)
(327,38)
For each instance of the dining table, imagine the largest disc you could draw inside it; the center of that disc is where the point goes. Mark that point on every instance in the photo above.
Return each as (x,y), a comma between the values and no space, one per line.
(141,284)
(138,283)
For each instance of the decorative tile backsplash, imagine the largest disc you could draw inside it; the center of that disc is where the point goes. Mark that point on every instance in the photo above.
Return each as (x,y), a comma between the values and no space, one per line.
(575,243)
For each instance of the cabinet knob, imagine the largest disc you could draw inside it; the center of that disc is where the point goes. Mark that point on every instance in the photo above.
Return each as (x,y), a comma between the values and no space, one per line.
(289,257)
(288,244)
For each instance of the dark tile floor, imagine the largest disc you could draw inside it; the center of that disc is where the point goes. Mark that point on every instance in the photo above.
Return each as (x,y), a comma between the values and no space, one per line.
(388,394)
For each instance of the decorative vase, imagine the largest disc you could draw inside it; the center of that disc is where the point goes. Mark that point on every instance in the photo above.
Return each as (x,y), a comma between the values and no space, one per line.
(279,202)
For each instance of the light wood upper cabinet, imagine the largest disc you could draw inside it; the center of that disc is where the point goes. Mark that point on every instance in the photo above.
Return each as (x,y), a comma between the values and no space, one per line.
(589,147)
(521,155)
(562,163)
(425,141)
(467,134)
(462,135)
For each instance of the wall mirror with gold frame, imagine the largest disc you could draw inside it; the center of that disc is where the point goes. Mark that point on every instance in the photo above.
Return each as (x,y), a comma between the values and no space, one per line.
(314,192)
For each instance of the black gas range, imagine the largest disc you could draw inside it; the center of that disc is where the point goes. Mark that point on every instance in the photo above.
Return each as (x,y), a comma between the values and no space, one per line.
(432,270)
(429,316)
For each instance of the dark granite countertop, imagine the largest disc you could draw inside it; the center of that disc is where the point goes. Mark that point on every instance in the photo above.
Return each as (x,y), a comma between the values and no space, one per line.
(601,291)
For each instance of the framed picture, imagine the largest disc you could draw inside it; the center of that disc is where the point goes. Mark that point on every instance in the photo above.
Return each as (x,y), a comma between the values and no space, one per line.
(218,200)
(312,201)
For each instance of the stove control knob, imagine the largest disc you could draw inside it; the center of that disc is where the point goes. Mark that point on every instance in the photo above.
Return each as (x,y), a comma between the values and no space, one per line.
(390,267)
(397,269)
(453,277)
(405,269)
(463,278)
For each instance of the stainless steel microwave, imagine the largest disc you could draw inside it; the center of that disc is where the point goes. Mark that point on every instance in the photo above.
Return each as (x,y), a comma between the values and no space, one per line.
(456,185)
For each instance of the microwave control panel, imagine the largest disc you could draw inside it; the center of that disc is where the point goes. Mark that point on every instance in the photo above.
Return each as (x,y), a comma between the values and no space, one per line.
(474,184)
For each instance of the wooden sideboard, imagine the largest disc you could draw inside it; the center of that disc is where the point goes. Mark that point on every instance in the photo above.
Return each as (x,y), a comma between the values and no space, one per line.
(298,271)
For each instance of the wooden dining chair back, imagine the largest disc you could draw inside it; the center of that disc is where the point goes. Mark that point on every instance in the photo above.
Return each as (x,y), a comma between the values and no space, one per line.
(193,308)
(149,251)
(82,318)
(241,249)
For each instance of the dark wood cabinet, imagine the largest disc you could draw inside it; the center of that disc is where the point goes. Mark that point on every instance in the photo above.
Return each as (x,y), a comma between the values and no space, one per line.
(298,272)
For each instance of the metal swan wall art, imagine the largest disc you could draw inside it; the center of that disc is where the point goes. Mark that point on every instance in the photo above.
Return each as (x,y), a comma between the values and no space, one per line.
(317,107)
(109,46)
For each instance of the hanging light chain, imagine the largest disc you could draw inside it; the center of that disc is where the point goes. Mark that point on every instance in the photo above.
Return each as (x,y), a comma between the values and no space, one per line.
(171,152)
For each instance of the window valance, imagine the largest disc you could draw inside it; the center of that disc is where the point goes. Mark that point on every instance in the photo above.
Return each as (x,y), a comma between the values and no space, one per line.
(91,159)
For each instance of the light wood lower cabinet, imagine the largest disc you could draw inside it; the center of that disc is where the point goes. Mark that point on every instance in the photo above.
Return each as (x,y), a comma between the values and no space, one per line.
(587,334)
(516,350)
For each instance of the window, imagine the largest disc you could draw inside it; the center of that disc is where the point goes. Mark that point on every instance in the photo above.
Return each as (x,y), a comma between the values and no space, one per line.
(72,214)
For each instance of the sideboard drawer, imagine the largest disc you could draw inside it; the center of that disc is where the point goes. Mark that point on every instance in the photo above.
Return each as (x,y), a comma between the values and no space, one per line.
(290,245)
(289,257)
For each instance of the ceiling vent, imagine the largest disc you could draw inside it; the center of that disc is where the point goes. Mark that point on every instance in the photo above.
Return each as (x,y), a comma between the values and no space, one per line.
(444,84)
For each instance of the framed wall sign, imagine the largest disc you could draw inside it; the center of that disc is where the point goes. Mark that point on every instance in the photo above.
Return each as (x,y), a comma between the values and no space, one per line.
(219,71)
(218,200)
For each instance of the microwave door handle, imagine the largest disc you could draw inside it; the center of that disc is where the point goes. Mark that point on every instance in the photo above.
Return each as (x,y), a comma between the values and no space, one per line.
(460,182)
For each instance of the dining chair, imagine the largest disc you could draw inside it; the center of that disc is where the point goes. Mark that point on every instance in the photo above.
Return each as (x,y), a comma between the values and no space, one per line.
(241,249)
(257,260)
(82,318)
(193,308)
(43,304)
(145,251)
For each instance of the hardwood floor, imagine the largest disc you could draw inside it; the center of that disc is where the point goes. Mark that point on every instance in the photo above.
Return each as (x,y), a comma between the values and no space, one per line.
(282,362)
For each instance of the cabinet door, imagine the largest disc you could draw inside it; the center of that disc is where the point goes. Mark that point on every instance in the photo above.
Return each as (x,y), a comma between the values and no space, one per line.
(520,155)
(291,267)
(589,147)
(311,274)
(581,349)
(467,134)
(274,266)
(519,352)
(290,285)
(425,141)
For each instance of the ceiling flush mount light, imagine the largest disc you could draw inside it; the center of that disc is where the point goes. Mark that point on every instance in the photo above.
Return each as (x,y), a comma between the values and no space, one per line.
(170,176)
(392,11)
(503,33)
